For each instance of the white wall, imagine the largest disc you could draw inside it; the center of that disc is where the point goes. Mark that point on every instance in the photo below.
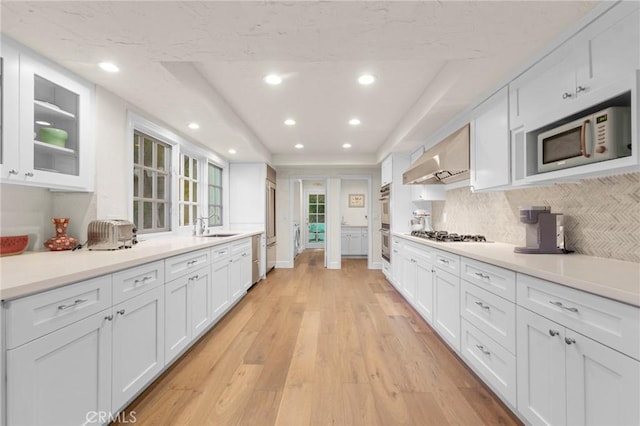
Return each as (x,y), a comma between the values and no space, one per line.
(285,218)
(353,216)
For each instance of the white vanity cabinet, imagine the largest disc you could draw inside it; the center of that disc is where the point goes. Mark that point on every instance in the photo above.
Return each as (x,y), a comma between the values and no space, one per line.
(490,147)
(47,97)
(354,241)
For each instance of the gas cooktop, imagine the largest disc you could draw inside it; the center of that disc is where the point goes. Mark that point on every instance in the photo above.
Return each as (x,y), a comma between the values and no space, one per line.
(445,237)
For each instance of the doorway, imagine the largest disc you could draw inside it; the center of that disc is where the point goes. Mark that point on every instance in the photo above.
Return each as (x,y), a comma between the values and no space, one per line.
(315,218)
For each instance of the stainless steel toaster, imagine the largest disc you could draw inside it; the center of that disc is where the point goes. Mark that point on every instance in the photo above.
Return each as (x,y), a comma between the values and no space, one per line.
(112,234)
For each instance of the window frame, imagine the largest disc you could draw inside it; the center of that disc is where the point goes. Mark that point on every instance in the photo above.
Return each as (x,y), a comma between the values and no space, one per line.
(179,146)
(222,194)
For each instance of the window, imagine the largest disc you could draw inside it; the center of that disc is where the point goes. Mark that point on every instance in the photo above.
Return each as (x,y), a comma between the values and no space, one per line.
(188,190)
(151,184)
(215,195)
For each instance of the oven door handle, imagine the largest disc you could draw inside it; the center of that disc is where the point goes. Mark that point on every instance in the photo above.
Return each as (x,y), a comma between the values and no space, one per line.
(583,138)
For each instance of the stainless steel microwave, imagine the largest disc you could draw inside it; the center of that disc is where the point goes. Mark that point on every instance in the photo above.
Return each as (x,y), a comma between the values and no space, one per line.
(604,135)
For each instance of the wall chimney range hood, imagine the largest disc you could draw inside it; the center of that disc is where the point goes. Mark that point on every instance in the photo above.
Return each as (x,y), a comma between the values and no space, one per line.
(446,162)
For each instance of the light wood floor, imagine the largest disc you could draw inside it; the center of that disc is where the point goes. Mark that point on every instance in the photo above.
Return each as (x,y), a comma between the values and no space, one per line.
(311,346)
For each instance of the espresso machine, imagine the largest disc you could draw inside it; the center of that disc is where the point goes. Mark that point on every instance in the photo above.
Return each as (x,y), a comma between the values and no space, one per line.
(544,230)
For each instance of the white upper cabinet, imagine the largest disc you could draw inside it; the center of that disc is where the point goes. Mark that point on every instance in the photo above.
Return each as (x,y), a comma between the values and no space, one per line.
(52,143)
(490,153)
(386,171)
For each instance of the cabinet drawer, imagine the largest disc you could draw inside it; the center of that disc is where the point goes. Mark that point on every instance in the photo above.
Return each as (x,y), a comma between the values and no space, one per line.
(492,362)
(419,252)
(447,262)
(220,252)
(493,315)
(134,281)
(497,280)
(240,246)
(178,266)
(34,316)
(611,323)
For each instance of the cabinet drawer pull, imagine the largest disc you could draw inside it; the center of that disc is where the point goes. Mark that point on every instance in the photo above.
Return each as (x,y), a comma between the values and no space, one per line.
(76,303)
(13,172)
(560,305)
(29,174)
(195,277)
(580,89)
(569,340)
(482,276)
(120,312)
(566,95)
(483,306)
(109,317)
(553,333)
(141,280)
(445,261)
(191,262)
(244,255)
(483,350)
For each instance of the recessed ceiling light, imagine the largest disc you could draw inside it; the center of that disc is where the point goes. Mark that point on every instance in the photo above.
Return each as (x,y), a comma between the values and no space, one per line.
(354,122)
(194,126)
(273,79)
(108,67)
(366,79)
(232,151)
(346,145)
(299,146)
(290,122)
(43,123)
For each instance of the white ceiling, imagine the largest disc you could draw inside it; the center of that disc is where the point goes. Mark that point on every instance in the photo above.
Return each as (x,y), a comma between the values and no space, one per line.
(204,61)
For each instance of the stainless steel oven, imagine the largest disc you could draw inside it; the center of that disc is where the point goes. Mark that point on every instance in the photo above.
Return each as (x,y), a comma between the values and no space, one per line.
(386,244)
(385,207)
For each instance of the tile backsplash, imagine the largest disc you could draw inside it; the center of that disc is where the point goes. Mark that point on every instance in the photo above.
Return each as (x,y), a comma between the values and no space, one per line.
(602,215)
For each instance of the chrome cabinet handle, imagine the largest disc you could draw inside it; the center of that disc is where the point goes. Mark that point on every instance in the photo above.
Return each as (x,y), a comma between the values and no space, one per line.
(13,172)
(560,305)
(109,317)
(445,261)
(482,276)
(120,312)
(553,333)
(483,350)
(29,174)
(76,303)
(566,95)
(195,277)
(569,340)
(141,280)
(580,89)
(483,306)
(244,255)
(191,262)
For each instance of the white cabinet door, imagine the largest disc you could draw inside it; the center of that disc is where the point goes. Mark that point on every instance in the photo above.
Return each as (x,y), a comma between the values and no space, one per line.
(424,291)
(220,287)
(447,307)
(490,154)
(200,300)
(386,171)
(9,148)
(364,243)
(355,242)
(177,317)
(344,242)
(236,287)
(62,101)
(138,344)
(603,385)
(540,351)
(396,268)
(409,278)
(59,378)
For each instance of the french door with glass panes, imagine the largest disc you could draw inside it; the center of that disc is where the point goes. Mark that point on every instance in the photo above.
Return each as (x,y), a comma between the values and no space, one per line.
(315,219)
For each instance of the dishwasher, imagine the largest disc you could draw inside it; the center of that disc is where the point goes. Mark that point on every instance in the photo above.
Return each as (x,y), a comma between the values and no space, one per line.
(255,258)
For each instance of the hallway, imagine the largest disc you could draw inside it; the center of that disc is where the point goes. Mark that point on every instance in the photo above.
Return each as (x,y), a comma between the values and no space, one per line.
(312,346)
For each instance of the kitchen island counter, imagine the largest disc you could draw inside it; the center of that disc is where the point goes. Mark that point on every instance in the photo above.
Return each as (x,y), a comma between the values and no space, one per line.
(34,272)
(614,279)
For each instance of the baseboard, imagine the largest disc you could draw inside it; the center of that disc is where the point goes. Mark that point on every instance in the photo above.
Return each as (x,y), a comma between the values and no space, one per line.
(376,265)
(284,264)
(333,265)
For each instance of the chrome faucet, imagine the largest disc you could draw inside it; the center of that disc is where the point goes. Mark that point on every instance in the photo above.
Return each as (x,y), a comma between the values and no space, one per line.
(199,225)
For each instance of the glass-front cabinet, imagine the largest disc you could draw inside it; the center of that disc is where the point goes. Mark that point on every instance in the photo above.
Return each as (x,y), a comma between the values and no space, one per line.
(54,145)
(9,82)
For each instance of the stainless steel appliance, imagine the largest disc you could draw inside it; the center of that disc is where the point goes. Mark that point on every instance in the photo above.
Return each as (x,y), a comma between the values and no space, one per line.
(446,162)
(597,137)
(446,237)
(255,258)
(271,218)
(111,234)
(385,207)
(386,244)
(544,230)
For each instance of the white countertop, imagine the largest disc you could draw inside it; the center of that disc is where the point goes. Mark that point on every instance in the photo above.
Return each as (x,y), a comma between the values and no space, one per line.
(33,272)
(614,279)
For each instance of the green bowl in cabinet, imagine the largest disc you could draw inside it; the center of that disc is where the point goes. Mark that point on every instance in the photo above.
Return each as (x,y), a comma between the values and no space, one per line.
(53,136)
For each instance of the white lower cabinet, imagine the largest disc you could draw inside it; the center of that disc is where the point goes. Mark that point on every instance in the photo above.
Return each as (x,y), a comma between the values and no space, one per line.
(188,310)
(424,290)
(138,344)
(566,378)
(409,278)
(446,296)
(220,287)
(239,275)
(62,377)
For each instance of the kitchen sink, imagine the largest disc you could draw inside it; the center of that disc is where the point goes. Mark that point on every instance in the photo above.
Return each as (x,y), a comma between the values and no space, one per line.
(220,234)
